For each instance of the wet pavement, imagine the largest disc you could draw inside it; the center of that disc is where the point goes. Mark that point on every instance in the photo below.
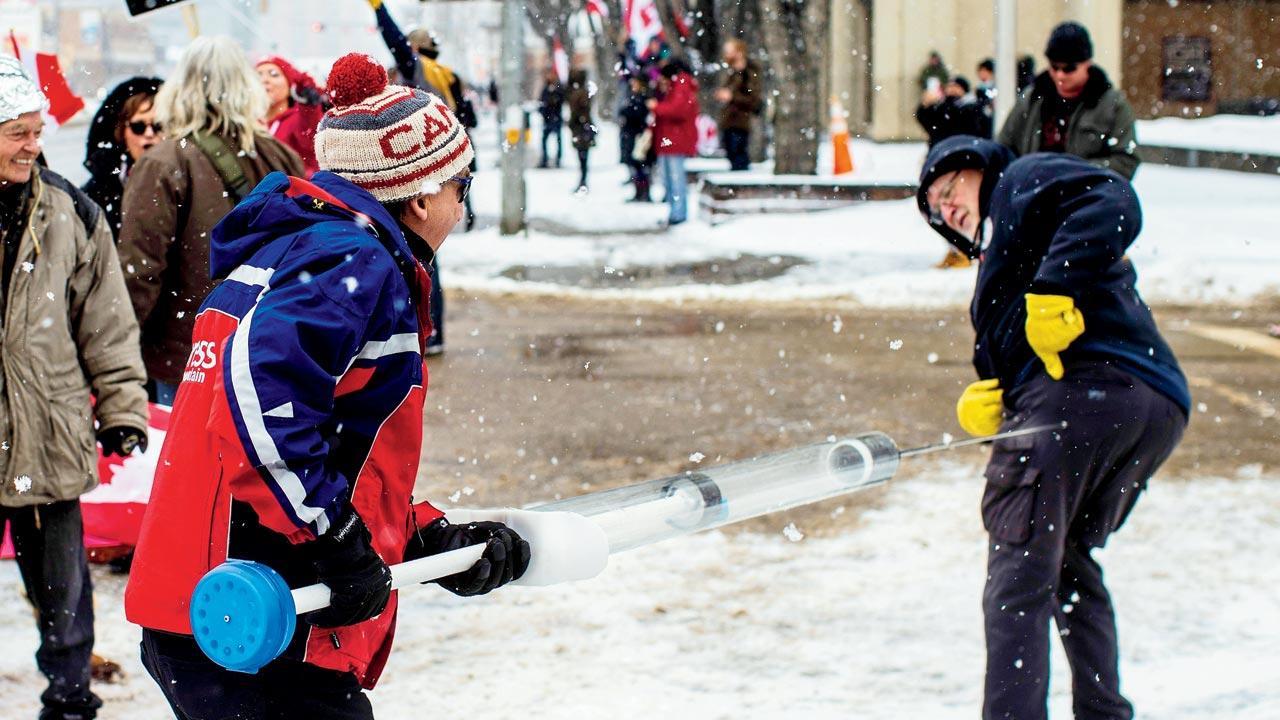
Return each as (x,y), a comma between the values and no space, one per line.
(540,398)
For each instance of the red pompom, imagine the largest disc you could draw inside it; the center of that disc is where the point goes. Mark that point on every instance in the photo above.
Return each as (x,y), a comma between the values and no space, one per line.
(354,78)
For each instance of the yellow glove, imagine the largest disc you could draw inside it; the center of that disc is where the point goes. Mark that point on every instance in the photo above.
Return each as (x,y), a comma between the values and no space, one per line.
(1053,323)
(981,408)
(375,4)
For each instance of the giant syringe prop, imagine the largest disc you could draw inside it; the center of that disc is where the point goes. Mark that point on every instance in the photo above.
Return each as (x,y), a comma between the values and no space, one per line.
(243,614)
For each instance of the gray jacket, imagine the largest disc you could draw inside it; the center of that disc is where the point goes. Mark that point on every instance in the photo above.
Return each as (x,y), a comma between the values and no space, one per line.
(1100,130)
(69,348)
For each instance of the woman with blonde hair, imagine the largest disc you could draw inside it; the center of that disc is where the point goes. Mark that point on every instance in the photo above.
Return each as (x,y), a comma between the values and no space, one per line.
(214,153)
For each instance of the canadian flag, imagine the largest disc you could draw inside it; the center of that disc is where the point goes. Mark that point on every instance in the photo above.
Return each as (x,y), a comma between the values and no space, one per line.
(643,22)
(560,60)
(597,7)
(44,68)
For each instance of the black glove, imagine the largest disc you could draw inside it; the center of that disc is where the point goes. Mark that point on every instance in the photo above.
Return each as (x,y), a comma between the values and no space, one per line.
(358,579)
(122,441)
(505,558)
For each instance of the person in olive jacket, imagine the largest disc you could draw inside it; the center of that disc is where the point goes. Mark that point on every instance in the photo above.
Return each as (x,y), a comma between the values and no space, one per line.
(68,356)
(743,97)
(1073,108)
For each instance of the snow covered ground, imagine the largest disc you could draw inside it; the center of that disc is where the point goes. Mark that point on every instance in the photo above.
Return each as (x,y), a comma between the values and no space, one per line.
(1238,133)
(1207,238)
(882,621)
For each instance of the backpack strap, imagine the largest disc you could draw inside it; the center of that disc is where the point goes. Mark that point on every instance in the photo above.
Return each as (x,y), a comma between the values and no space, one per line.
(224,161)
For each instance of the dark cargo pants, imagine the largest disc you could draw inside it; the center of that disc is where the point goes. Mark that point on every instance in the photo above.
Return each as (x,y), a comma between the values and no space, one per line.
(199,689)
(1050,499)
(48,542)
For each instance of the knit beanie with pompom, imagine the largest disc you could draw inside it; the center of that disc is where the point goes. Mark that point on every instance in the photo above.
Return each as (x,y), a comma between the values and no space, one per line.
(396,142)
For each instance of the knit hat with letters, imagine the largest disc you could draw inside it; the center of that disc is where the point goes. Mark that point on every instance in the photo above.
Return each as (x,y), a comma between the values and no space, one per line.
(396,142)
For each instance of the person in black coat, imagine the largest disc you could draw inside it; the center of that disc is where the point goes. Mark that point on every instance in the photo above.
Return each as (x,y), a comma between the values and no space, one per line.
(123,128)
(581,126)
(633,119)
(1062,337)
(952,111)
(551,108)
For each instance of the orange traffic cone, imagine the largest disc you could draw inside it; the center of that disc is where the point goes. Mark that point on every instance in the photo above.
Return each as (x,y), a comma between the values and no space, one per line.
(840,139)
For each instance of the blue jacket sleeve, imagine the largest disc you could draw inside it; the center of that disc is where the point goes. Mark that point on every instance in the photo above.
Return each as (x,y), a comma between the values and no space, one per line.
(1094,231)
(398,44)
(281,369)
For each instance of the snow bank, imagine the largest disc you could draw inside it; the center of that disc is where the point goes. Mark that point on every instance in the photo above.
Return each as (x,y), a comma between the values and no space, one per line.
(1206,238)
(1234,133)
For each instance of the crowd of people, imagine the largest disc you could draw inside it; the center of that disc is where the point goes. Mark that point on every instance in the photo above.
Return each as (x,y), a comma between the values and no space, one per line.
(657,117)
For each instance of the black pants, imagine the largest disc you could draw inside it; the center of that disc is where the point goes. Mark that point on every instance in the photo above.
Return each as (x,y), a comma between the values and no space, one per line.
(736,146)
(199,689)
(582,165)
(549,131)
(49,543)
(1050,499)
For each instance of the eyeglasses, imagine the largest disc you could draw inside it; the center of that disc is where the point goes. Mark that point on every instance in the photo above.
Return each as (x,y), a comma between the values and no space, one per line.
(139,127)
(1065,68)
(945,196)
(464,186)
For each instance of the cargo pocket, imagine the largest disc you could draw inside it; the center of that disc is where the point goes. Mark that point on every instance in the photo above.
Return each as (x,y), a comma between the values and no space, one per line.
(1010,495)
(70,449)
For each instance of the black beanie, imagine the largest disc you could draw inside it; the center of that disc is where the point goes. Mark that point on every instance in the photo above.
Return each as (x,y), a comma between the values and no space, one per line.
(1069,43)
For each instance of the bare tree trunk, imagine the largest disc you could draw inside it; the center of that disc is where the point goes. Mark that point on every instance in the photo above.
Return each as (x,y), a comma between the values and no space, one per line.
(606,33)
(796,37)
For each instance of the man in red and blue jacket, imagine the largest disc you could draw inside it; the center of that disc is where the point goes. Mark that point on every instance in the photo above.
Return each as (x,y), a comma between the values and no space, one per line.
(296,431)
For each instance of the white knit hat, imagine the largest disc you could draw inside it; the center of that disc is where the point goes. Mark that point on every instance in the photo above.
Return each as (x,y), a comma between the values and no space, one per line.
(396,142)
(19,94)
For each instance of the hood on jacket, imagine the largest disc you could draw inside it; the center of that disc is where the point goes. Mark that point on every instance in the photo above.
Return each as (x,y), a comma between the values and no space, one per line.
(959,153)
(103,153)
(1094,88)
(269,213)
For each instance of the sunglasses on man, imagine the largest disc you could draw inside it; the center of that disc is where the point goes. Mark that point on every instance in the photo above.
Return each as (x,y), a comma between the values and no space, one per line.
(464,186)
(139,127)
(1064,68)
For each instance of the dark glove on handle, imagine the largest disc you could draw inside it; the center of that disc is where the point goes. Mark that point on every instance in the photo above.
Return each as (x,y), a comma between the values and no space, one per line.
(505,558)
(358,579)
(122,441)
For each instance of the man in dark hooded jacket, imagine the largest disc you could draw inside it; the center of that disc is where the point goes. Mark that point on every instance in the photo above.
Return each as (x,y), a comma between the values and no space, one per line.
(1073,108)
(1062,337)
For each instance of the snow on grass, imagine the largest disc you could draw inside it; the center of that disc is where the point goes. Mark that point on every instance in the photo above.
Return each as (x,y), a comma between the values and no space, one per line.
(1234,133)
(1206,238)
(882,620)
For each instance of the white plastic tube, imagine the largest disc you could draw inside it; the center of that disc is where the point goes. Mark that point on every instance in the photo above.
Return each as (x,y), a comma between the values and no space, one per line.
(652,511)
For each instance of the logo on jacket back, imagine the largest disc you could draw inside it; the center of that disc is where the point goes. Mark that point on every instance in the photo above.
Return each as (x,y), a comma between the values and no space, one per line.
(204,356)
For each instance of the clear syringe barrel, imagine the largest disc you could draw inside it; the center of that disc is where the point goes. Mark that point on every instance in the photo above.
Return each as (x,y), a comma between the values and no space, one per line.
(655,510)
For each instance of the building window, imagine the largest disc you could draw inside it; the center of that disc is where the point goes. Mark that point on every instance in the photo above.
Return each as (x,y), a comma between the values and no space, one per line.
(1188,69)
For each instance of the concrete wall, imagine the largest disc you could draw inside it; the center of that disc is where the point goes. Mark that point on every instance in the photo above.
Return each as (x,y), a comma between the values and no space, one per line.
(903,32)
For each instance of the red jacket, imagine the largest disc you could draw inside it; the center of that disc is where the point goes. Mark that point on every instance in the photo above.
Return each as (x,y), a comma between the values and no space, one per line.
(296,127)
(304,388)
(675,131)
